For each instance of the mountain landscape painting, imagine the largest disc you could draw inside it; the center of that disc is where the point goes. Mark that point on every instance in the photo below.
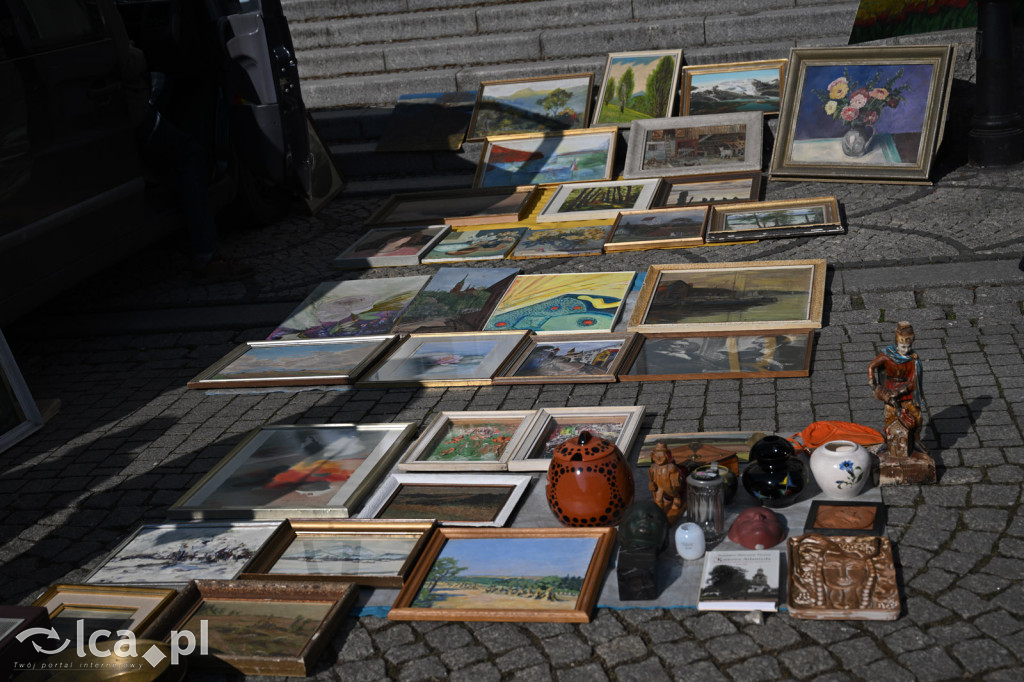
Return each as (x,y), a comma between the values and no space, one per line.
(756,88)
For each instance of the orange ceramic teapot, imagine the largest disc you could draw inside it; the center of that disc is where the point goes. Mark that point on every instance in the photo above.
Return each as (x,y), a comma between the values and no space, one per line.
(589,482)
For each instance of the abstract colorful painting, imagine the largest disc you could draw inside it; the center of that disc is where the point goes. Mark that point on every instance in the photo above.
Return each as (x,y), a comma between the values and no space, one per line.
(529,105)
(562,302)
(562,241)
(456,300)
(638,85)
(470,245)
(573,156)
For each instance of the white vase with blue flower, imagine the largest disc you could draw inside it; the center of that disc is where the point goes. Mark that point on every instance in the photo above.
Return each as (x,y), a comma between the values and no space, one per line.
(840,468)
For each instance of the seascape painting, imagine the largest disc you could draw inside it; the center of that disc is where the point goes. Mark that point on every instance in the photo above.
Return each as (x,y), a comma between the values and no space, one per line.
(698,192)
(472,441)
(562,241)
(562,302)
(638,85)
(296,361)
(708,355)
(694,146)
(707,446)
(727,90)
(258,627)
(538,159)
(456,300)
(447,503)
(684,226)
(470,245)
(531,105)
(355,554)
(573,358)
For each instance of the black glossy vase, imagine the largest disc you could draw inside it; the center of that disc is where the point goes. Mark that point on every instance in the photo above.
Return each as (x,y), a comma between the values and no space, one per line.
(774,476)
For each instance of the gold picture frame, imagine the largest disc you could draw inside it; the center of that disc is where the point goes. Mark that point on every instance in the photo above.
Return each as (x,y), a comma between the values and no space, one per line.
(137,607)
(702,190)
(570,358)
(643,66)
(732,223)
(658,228)
(584,155)
(750,85)
(528,112)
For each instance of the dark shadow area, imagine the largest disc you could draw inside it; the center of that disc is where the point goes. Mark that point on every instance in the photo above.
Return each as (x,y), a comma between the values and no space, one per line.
(947,427)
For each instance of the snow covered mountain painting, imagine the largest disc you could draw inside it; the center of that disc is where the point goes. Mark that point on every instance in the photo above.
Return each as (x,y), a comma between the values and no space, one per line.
(707,91)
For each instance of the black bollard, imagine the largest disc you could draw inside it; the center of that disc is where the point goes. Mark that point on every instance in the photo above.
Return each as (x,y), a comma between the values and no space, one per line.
(996,137)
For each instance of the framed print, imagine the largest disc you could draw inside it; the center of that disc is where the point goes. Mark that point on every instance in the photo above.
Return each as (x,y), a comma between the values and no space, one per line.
(14,620)
(468,441)
(568,358)
(456,207)
(554,425)
(452,499)
(326,182)
(555,242)
(360,551)
(720,355)
(562,302)
(688,449)
(456,300)
(390,246)
(733,87)
(103,607)
(446,359)
(172,554)
(539,158)
(694,145)
(361,307)
(774,220)
(701,190)
(297,471)
(474,245)
(670,228)
(598,200)
(834,517)
(465,574)
(531,105)
(428,122)
(19,416)
(638,85)
(747,296)
(303,362)
(868,113)
(258,627)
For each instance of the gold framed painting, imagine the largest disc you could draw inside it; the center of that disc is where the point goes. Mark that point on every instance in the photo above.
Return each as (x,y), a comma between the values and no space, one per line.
(545,158)
(637,85)
(774,220)
(702,190)
(452,499)
(732,87)
(664,228)
(469,441)
(531,105)
(598,200)
(102,609)
(554,425)
(694,145)
(568,359)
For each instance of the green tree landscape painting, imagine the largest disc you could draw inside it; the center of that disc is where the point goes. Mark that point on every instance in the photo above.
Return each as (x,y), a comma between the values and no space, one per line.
(531,105)
(638,85)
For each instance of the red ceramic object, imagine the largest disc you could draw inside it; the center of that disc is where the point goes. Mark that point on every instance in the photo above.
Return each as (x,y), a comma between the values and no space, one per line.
(589,482)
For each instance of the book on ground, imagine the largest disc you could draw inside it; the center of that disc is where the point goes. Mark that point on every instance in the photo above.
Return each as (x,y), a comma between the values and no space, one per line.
(741,580)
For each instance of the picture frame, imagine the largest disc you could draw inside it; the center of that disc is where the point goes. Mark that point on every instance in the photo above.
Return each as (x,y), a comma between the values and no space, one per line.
(694,145)
(474,245)
(455,300)
(452,499)
(903,93)
(545,158)
(390,246)
(300,362)
(531,105)
(325,180)
(103,607)
(258,627)
(733,86)
(581,554)
(587,302)
(427,122)
(14,620)
(459,359)
(19,414)
(700,190)
(719,355)
(598,200)
(838,517)
(709,297)
(663,228)
(296,471)
(554,425)
(774,220)
(172,554)
(703,447)
(456,207)
(569,359)
(651,71)
(366,552)
(561,242)
(479,440)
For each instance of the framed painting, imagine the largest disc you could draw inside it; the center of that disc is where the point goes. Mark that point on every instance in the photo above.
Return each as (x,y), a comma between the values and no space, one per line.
(871,114)
(689,449)
(360,307)
(428,122)
(531,105)
(598,200)
(103,607)
(568,359)
(703,190)
(733,87)
(456,207)
(669,228)
(474,245)
(465,574)
(325,180)
(468,441)
(554,425)
(258,627)
(747,296)
(19,416)
(172,554)
(297,471)
(720,355)
(452,499)
(360,551)
(694,145)
(774,220)
(391,246)
(456,300)
(834,517)
(555,242)
(303,362)
(562,302)
(446,359)
(540,158)
(15,620)
(638,85)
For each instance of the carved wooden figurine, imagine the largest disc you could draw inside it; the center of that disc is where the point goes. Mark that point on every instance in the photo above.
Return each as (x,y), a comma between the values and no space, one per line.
(643,533)
(667,483)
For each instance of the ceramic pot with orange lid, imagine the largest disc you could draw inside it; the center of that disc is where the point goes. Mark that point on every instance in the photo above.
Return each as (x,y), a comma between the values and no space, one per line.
(589,482)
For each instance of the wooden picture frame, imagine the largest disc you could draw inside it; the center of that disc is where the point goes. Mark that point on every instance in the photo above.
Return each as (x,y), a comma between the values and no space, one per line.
(705,447)
(452,499)
(300,362)
(562,242)
(537,104)
(587,302)
(701,190)
(19,415)
(581,554)
(480,440)
(837,93)
(660,65)
(455,300)
(734,86)
(456,207)
(103,607)
(708,297)
(390,247)
(568,359)
(598,200)
(661,228)
(569,421)
(362,551)
(694,145)
(732,223)
(296,471)
(836,517)
(545,158)
(475,245)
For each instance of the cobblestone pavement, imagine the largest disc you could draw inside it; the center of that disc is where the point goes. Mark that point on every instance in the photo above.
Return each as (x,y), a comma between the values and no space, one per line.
(130,439)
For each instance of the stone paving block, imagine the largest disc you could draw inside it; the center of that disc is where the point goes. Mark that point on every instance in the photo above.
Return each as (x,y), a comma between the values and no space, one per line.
(931,664)
(449,637)
(396,655)
(429,668)
(731,648)
(857,652)
(808,661)
(702,671)
(979,655)
(602,628)
(481,672)
(467,655)
(945,496)
(501,637)
(621,650)
(362,671)
(964,603)
(708,625)
(566,650)
(592,672)
(994,495)
(518,659)
(679,653)
(908,639)
(648,670)
(662,631)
